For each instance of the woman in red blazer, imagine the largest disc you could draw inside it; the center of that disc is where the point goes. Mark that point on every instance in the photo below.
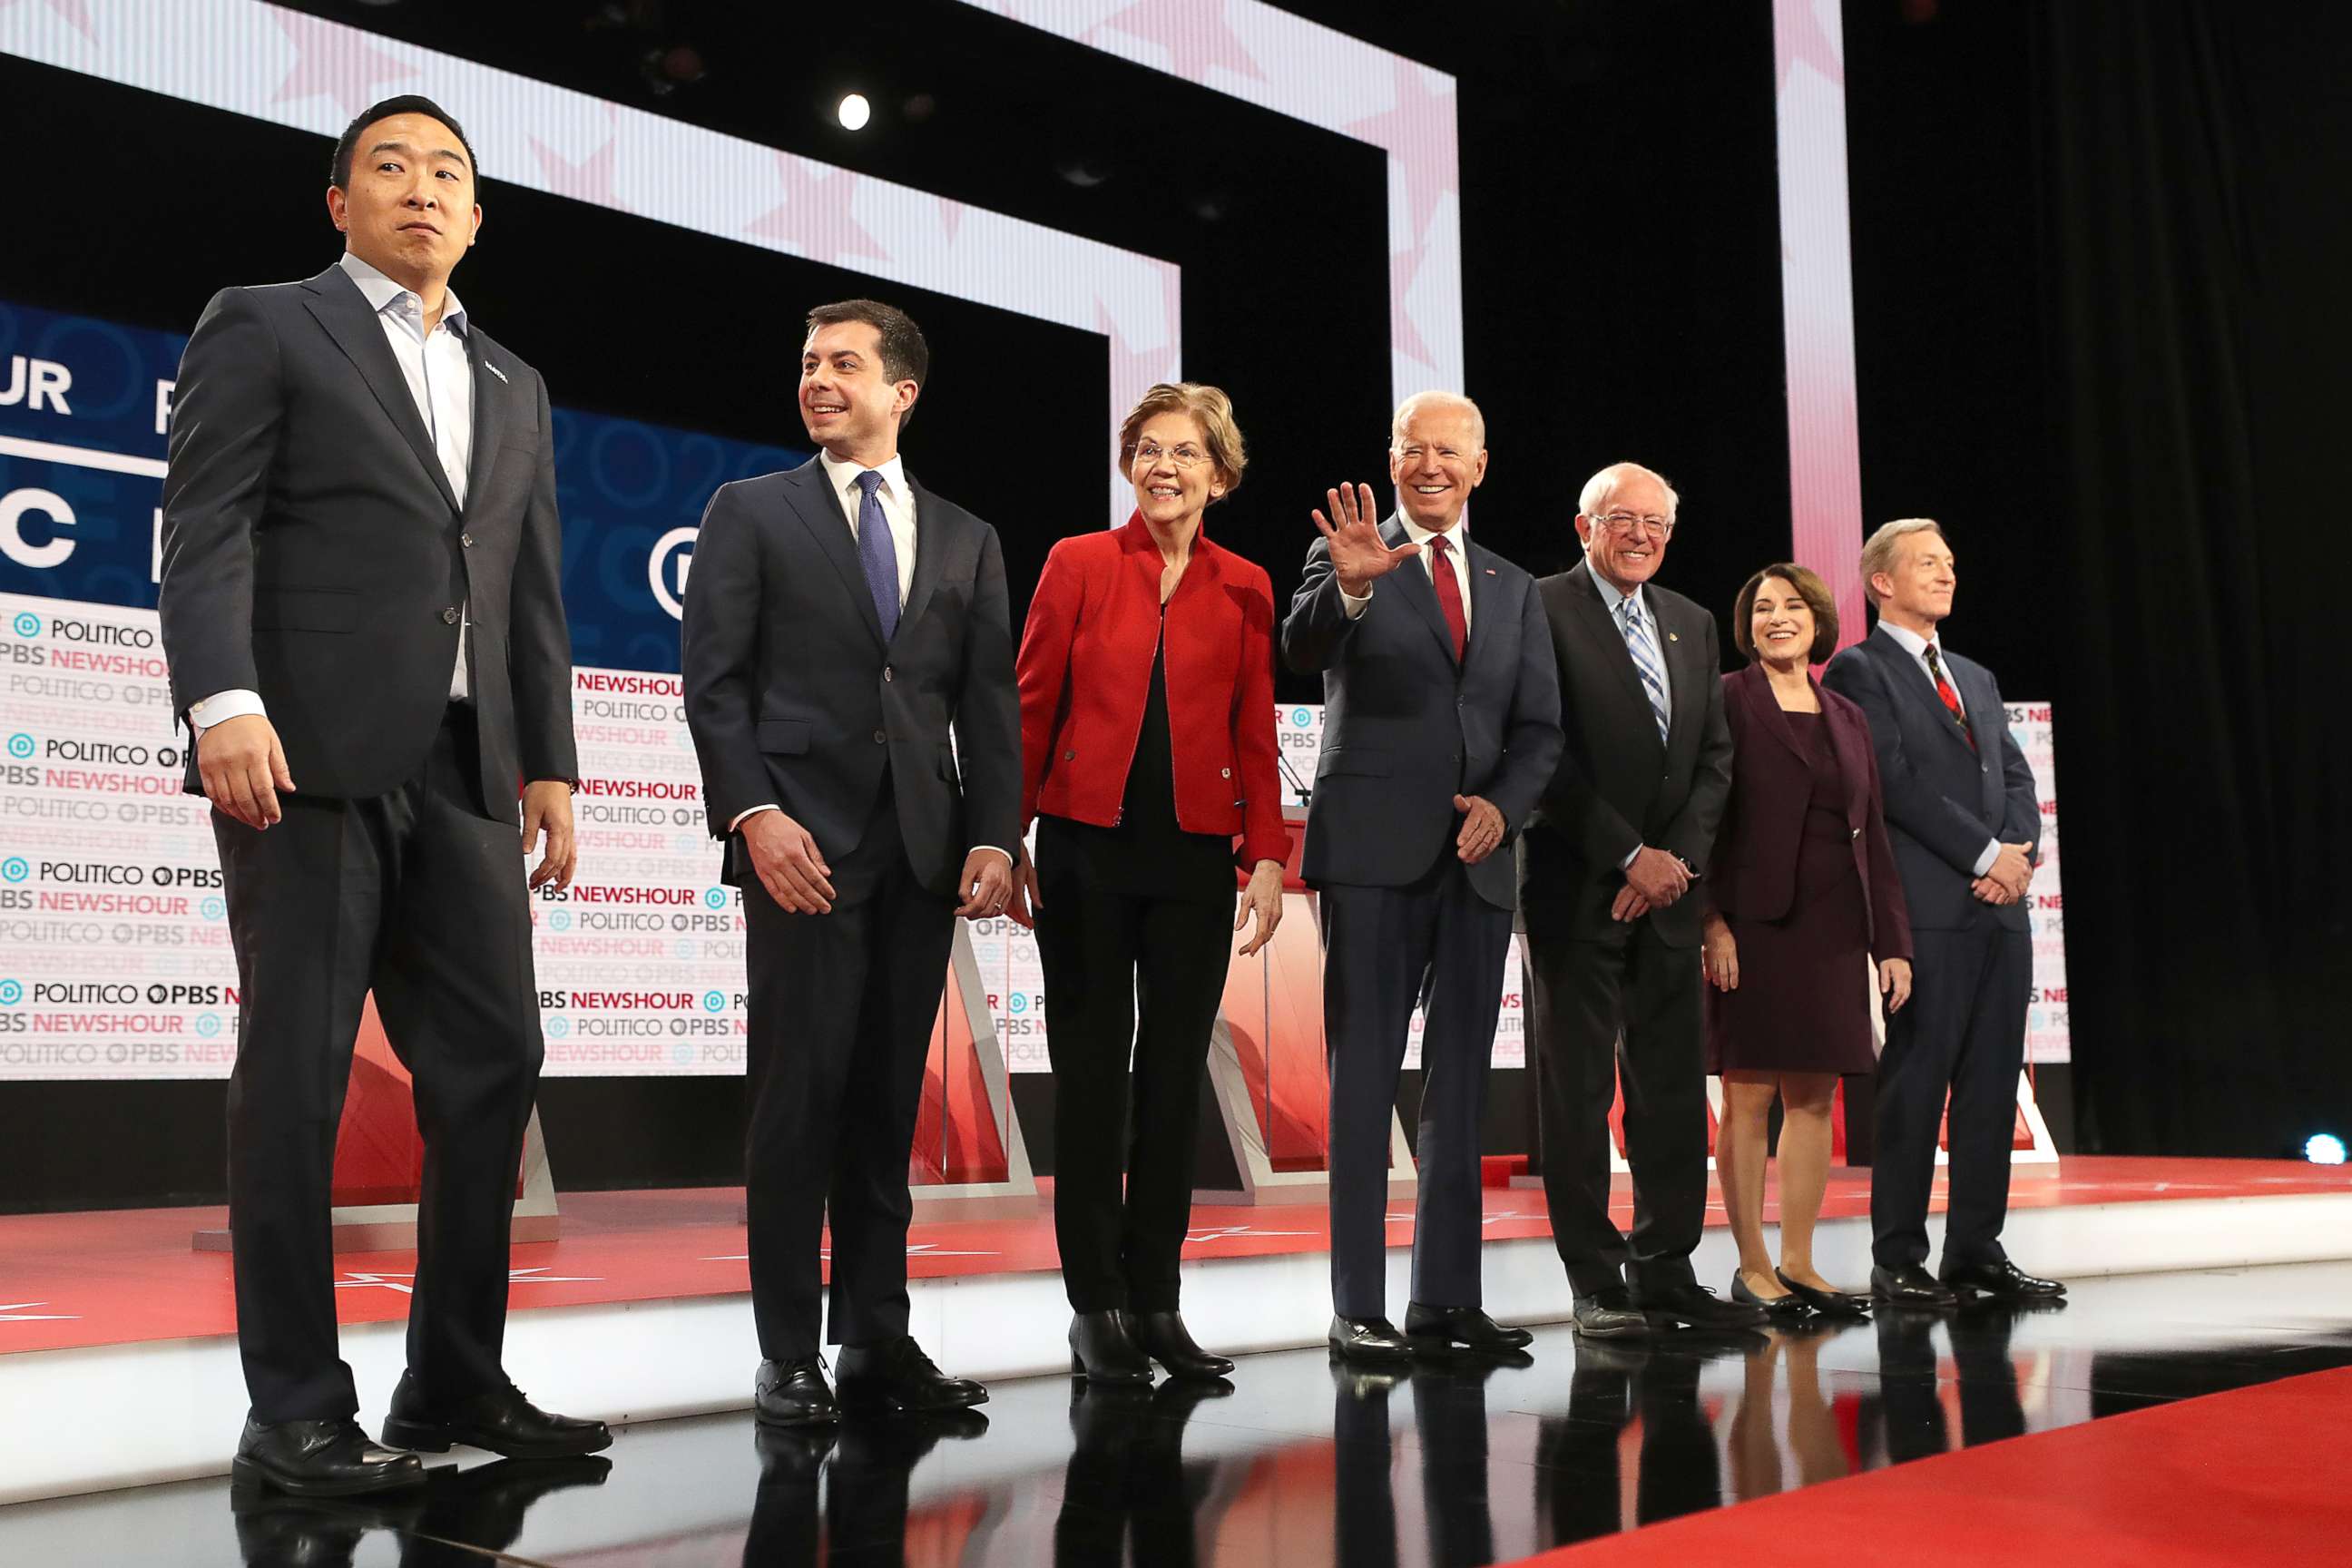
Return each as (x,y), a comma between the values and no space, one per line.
(1803,886)
(1147,751)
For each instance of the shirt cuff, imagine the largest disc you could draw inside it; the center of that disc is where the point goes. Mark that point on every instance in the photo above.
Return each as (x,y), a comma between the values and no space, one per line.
(1008,855)
(1353,606)
(1990,853)
(743,816)
(218,708)
(1631,856)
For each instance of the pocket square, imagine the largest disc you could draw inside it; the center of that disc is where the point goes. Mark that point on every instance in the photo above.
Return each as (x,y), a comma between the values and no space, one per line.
(496,371)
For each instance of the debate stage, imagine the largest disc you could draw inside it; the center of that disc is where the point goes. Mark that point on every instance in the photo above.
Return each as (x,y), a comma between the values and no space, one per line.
(640,1310)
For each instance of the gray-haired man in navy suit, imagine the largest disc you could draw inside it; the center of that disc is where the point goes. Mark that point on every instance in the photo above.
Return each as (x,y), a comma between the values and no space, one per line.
(1962,811)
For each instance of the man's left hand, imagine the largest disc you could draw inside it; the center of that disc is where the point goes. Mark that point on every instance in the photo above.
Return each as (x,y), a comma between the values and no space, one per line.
(1992,891)
(987,882)
(1482,829)
(547,807)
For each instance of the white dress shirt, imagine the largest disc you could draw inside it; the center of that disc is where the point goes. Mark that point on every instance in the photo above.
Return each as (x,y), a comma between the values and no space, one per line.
(898,510)
(1457,555)
(441,381)
(1916,647)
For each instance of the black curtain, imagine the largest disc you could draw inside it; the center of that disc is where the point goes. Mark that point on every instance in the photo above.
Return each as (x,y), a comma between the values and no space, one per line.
(2196,233)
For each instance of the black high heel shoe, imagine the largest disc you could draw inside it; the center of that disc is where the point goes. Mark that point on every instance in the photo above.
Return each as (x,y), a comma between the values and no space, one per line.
(1828,1303)
(1101,1351)
(1788,1309)
(1163,1337)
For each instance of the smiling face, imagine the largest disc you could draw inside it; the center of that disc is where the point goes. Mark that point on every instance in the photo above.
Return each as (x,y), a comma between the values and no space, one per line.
(1175,478)
(1780,624)
(409,211)
(1917,591)
(848,402)
(1625,538)
(1435,460)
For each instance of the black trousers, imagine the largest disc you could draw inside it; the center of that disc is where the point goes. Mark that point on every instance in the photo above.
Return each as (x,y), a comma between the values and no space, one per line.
(1124,972)
(1438,945)
(1963,1032)
(1584,994)
(840,1009)
(419,897)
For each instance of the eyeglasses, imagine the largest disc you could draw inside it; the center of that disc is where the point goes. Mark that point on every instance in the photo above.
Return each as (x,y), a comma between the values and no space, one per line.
(1622,524)
(1151,452)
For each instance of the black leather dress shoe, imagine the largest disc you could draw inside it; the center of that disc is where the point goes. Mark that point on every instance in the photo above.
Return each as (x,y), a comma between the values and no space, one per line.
(320,1458)
(1828,1303)
(1163,1337)
(1439,1330)
(898,1376)
(1784,1308)
(1102,1350)
(2003,1281)
(1695,1306)
(793,1394)
(1909,1286)
(502,1421)
(1368,1340)
(1608,1313)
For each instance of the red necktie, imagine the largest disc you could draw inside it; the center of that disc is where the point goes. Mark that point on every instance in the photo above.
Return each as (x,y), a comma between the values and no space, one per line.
(1951,698)
(1449,594)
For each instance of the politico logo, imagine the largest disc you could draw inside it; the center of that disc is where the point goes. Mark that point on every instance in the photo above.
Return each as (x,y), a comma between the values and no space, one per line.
(666,568)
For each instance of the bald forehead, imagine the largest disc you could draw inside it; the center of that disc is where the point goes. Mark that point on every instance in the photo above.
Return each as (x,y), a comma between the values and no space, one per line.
(1635,491)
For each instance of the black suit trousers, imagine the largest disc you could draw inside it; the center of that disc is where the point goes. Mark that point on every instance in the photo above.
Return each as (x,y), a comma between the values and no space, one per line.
(1587,996)
(1125,970)
(841,1007)
(419,896)
(1962,1033)
(1438,945)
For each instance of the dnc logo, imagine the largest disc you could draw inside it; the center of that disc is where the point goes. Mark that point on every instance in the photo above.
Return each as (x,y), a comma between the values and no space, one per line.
(28,625)
(16,868)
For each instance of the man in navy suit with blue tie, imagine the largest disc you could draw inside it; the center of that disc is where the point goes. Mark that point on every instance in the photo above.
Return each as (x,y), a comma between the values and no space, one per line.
(1441,726)
(1962,811)
(841,621)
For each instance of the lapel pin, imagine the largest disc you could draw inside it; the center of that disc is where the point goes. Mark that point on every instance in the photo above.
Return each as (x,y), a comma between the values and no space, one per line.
(495,371)
(1490,571)
(1674,636)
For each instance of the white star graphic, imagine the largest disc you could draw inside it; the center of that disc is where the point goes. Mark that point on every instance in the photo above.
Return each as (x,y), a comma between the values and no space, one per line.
(393,1279)
(13,1313)
(1216,1232)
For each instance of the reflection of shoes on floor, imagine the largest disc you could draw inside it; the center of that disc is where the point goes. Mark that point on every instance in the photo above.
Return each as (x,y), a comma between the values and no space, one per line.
(1365,1380)
(898,1440)
(791,1453)
(1605,1356)
(1177,1398)
(483,1506)
(1714,1344)
(278,1529)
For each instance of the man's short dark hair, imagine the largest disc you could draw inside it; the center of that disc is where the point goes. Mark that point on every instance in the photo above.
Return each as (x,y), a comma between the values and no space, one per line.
(906,355)
(347,145)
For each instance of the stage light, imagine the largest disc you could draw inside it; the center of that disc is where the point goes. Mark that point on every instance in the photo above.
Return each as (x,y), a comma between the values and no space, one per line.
(855,111)
(2323,1149)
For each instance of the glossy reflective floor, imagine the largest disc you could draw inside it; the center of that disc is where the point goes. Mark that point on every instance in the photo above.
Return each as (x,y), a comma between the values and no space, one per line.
(1295,1462)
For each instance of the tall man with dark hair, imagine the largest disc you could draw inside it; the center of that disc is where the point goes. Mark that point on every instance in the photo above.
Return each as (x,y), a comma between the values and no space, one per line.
(1962,811)
(842,620)
(1612,942)
(360,592)
(1442,722)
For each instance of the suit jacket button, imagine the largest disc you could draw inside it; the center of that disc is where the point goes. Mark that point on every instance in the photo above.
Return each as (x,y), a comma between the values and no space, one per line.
(1224,772)
(881,738)
(885,672)
(449,617)
(466,540)
(1069,756)
(1855,834)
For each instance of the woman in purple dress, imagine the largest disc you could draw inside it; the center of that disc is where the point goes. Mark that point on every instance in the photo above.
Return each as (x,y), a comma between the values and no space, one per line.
(1803,888)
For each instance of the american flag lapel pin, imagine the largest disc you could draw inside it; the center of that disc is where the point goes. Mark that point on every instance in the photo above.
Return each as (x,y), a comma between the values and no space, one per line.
(494,370)
(1490,571)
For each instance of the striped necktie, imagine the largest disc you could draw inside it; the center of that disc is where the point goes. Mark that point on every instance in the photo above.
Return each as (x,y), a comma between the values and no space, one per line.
(1951,698)
(1642,645)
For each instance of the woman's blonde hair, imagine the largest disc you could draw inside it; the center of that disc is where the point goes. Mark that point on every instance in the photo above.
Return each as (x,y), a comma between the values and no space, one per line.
(1210,409)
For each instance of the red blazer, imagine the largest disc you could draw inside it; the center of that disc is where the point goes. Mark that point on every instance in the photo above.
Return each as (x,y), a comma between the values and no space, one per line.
(1086,674)
(1752,875)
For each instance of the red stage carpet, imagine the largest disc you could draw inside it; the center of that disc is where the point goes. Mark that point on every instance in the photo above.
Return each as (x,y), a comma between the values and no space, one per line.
(2197,1481)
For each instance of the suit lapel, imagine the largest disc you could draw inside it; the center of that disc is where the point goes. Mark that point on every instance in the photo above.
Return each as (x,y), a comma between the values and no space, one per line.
(343,311)
(1685,695)
(1913,679)
(931,525)
(1601,629)
(1764,711)
(489,418)
(812,506)
(1853,743)
(1413,580)
(1483,587)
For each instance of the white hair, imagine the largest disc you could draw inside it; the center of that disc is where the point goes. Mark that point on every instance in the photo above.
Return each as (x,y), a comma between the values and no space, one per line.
(1878,551)
(1602,485)
(1452,400)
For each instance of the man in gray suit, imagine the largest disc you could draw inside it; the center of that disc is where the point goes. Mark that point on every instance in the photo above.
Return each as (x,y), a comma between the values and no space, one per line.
(361,609)
(1962,811)
(1606,866)
(1441,725)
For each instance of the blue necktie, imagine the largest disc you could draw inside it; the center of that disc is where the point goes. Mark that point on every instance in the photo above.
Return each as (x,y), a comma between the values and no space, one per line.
(877,553)
(1645,650)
